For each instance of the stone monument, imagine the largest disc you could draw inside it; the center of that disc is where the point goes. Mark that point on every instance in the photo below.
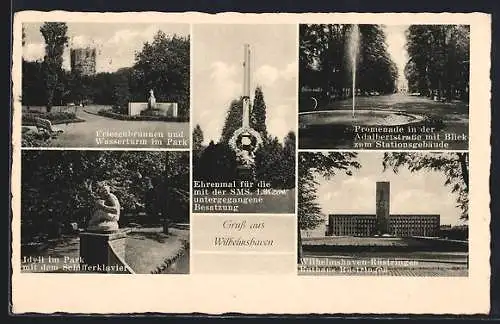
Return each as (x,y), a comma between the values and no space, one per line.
(103,242)
(151,107)
(246,140)
(151,100)
(107,210)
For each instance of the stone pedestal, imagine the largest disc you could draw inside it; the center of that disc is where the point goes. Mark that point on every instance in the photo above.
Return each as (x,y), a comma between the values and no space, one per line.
(245,173)
(99,250)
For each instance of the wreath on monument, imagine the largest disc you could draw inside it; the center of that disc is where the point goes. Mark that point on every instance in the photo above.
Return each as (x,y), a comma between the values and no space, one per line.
(237,140)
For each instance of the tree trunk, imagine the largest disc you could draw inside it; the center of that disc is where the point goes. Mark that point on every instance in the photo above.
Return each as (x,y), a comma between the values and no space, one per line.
(462,158)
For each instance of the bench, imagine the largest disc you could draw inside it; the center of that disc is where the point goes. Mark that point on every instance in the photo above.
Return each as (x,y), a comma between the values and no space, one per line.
(46,125)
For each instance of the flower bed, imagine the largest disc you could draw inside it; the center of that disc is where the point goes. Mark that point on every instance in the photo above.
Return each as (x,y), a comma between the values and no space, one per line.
(32,138)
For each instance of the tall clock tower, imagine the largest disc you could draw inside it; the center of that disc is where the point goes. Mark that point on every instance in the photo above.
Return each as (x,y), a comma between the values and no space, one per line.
(383,193)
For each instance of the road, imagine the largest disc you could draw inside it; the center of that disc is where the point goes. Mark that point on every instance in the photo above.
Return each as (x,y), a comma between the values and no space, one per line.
(99,128)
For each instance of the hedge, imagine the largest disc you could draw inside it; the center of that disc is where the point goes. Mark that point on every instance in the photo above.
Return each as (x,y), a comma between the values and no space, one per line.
(110,114)
(28,119)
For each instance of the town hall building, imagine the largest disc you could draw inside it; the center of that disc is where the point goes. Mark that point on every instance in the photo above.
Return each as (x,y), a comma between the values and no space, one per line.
(401,225)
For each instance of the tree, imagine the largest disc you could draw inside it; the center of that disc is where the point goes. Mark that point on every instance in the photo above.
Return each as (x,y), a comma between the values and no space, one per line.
(325,62)
(233,120)
(438,62)
(33,84)
(258,114)
(79,88)
(163,65)
(102,88)
(56,40)
(121,92)
(217,163)
(197,140)
(453,165)
(57,184)
(288,160)
(311,165)
(197,137)
(268,162)
(376,71)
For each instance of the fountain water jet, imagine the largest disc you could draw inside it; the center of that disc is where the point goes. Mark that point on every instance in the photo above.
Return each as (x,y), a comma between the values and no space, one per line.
(353,50)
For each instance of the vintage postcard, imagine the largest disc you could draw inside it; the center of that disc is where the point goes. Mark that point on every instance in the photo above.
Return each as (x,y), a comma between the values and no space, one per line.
(251,163)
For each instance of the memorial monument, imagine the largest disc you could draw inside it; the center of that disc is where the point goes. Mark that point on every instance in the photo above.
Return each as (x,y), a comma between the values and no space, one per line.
(103,242)
(153,108)
(246,140)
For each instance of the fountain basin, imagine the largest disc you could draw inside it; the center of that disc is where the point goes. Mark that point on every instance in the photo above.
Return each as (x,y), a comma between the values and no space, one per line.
(335,128)
(361,118)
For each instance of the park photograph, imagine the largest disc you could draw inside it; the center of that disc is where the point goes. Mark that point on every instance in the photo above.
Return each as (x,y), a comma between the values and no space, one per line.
(109,85)
(122,212)
(244,118)
(371,213)
(384,86)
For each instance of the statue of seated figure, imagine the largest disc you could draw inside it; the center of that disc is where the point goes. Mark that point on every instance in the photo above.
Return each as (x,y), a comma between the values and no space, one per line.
(107,210)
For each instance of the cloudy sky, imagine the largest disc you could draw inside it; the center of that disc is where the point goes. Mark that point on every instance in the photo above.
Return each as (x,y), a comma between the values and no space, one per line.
(420,192)
(218,74)
(116,43)
(396,40)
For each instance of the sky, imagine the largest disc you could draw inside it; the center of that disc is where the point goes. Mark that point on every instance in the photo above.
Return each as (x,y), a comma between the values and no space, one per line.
(419,192)
(218,74)
(396,40)
(116,43)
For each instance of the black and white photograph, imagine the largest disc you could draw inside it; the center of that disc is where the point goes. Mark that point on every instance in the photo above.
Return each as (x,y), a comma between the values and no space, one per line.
(105,85)
(121,212)
(386,87)
(244,118)
(383,214)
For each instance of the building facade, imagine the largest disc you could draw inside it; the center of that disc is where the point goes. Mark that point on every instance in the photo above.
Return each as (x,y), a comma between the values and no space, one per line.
(382,222)
(352,225)
(83,61)
(414,225)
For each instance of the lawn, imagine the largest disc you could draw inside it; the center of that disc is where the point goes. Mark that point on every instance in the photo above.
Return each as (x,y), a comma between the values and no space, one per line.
(147,250)
(357,245)
(380,257)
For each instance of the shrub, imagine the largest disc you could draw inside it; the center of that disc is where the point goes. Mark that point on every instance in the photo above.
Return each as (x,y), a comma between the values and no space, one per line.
(114,115)
(31,138)
(123,110)
(54,117)
(152,112)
